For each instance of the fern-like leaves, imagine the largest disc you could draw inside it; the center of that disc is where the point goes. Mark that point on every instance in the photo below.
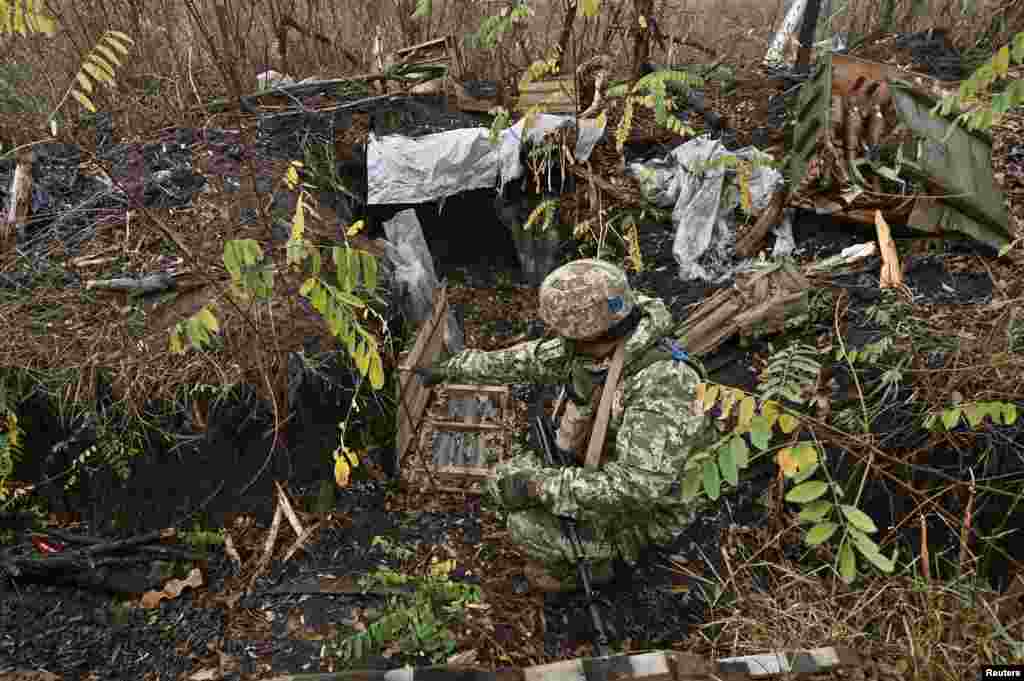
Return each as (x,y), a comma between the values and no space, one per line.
(25,17)
(790,373)
(99,66)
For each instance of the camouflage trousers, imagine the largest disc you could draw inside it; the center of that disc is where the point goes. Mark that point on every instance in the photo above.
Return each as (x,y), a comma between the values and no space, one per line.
(540,535)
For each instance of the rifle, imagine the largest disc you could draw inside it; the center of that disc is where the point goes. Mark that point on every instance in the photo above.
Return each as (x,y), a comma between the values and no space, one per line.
(555,457)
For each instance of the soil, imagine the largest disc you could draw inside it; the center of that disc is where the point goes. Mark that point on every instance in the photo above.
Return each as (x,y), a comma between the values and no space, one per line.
(222,475)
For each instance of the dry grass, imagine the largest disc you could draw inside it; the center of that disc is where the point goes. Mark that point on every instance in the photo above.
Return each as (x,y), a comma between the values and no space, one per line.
(182,58)
(903,626)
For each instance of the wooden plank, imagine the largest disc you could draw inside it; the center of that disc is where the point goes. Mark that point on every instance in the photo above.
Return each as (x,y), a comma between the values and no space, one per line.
(562,84)
(463,426)
(477,472)
(428,345)
(465,388)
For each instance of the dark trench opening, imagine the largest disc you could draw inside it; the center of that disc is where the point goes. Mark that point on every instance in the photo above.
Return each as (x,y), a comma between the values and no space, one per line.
(462,231)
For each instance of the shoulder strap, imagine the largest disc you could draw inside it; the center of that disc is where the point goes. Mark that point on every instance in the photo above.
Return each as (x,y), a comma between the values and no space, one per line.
(596,445)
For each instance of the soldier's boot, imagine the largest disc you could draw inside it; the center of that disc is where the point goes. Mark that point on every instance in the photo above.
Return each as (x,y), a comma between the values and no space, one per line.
(544,579)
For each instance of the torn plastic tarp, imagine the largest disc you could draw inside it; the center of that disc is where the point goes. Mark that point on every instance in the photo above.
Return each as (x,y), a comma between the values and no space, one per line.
(692,180)
(416,170)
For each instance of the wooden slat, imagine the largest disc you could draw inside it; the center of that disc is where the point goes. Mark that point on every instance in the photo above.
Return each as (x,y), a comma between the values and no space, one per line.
(463,426)
(428,345)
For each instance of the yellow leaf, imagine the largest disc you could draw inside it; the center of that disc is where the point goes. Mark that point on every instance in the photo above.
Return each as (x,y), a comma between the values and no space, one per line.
(97,73)
(747,408)
(291,177)
(729,398)
(109,54)
(642,20)
(710,397)
(342,470)
(602,120)
(440,568)
(589,8)
(1001,61)
(115,44)
(122,36)
(788,423)
(208,320)
(355,228)
(176,346)
(786,461)
(701,390)
(83,100)
(770,410)
(84,81)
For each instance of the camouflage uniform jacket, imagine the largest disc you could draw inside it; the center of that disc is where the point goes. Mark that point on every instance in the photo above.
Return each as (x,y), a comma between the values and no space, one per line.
(655,424)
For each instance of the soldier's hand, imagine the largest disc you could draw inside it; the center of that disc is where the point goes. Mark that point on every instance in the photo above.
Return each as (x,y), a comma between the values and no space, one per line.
(519,490)
(430,376)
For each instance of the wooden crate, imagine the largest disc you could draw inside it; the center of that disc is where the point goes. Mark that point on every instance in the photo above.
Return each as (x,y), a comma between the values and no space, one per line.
(415,427)
(555,95)
(443,50)
(441,434)
(412,394)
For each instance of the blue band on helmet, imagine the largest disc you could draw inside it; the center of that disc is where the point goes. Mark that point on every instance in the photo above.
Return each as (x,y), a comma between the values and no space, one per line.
(678,354)
(615,304)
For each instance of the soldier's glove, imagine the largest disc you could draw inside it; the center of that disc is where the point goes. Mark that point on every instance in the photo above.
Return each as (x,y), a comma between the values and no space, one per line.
(519,490)
(430,376)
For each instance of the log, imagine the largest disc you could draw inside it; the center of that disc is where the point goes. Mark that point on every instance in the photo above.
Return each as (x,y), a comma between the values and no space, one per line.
(750,243)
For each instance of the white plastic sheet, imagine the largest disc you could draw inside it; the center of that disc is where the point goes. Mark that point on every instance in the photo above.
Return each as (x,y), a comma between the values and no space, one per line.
(416,170)
(692,180)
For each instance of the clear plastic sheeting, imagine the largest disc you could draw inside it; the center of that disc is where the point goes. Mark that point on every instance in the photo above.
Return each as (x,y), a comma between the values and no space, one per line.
(428,168)
(694,181)
(413,276)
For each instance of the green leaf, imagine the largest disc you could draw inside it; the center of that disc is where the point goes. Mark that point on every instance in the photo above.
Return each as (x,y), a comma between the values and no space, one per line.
(727,464)
(589,8)
(847,563)
(950,417)
(870,550)
(815,511)
(808,491)
(369,272)
(423,9)
(739,451)
(376,371)
(1001,61)
(206,318)
(788,423)
(712,483)
(760,432)
(1009,413)
(820,533)
(859,519)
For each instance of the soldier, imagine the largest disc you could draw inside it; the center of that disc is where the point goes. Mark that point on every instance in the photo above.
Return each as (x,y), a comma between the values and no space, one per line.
(631,499)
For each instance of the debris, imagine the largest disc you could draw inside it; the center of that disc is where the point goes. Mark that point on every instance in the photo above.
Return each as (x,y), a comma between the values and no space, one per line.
(20,198)
(661,665)
(959,164)
(403,170)
(763,300)
(556,95)
(173,589)
(748,245)
(892,274)
(693,182)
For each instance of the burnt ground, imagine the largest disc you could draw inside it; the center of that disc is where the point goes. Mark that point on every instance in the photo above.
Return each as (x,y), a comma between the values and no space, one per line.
(80,632)
(87,633)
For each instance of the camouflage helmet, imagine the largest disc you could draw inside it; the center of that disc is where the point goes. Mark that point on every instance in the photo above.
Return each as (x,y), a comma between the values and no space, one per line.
(583,299)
